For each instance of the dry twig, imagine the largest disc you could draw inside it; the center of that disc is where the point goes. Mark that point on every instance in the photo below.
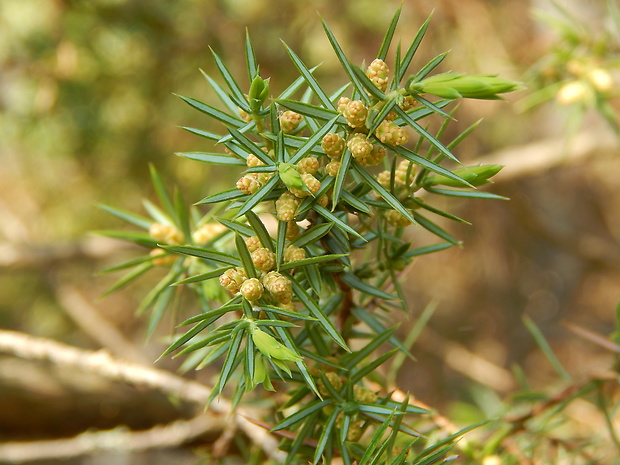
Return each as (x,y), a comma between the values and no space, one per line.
(103,364)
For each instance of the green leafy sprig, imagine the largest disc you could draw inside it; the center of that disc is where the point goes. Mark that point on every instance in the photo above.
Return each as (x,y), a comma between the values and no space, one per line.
(297,266)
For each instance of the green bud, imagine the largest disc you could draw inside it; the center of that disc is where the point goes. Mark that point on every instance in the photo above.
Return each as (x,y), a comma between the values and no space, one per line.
(455,85)
(271,348)
(261,373)
(259,91)
(291,177)
(474,175)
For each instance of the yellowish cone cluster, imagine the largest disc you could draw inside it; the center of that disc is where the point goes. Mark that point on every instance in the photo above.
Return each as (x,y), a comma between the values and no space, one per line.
(359,145)
(293,253)
(253,243)
(331,169)
(286,206)
(401,180)
(264,259)
(355,113)
(364,395)
(233,279)
(408,103)
(384,178)
(376,156)
(333,379)
(308,165)
(390,133)
(279,286)
(312,184)
(253,161)
(252,289)
(396,219)
(289,121)
(378,72)
(342,104)
(400,175)
(333,145)
(249,183)
(207,232)
(166,234)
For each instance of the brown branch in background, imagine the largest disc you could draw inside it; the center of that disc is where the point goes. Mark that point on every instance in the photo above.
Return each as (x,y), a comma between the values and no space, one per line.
(118,440)
(345,305)
(103,364)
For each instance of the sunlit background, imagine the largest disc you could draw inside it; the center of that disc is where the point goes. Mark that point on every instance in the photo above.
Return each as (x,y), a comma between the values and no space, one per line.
(87,102)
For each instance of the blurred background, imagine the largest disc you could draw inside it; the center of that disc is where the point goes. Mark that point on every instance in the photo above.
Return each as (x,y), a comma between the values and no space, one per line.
(86,103)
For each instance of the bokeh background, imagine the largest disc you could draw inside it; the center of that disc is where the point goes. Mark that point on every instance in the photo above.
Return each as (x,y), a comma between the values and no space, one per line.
(87,102)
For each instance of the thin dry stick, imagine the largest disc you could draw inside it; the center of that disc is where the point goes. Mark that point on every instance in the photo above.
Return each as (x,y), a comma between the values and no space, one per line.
(103,364)
(118,440)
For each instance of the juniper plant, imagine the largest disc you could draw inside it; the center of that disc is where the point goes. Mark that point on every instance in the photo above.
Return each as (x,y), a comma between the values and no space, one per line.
(296,267)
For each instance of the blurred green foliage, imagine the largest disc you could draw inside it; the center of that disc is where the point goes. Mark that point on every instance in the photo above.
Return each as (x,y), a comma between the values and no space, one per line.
(86,86)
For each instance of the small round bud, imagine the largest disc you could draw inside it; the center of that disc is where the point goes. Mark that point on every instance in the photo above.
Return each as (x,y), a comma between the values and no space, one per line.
(363,395)
(293,253)
(253,243)
(253,161)
(400,175)
(396,219)
(359,145)
(342,104)
(355,113)
(571,92)
(166,233)
(408,103)
(384,178)
(378,72)
(601,79)
(279,286)
(323,200)
(248,183)
(207,232)
(308,165)
(334,380)
(286,206)
(390,133)
(312,184)
(262,178)
(233,279)
(333,145)
(251,289)
(158,231)
(331,169)
(264,259)
(289,120)
(290,306)
(376,156)
(162,258)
